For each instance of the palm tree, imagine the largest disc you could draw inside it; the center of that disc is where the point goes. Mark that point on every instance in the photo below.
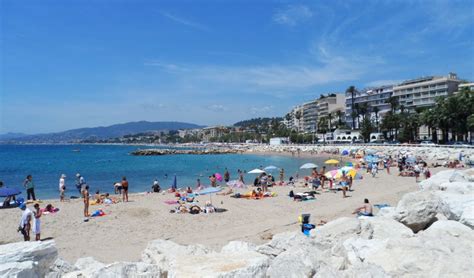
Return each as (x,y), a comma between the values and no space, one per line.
(352,90)
(376,110)
(322,127)
(393,103)
(339,118)
(357,113)
(329,120)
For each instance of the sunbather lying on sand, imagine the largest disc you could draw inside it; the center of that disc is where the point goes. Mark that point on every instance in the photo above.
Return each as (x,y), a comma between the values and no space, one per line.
(226,192)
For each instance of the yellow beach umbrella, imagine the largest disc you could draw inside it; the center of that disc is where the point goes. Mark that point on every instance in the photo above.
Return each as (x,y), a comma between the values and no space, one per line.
(331,161)
(352,173)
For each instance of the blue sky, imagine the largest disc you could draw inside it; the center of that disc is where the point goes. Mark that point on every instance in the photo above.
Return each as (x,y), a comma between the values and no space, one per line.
(70,64)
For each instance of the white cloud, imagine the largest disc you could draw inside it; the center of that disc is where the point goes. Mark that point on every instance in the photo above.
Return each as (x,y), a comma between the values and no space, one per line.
(186,22)
(292,15)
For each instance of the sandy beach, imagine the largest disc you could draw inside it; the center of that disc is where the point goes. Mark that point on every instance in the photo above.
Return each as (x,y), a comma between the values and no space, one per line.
(128,227)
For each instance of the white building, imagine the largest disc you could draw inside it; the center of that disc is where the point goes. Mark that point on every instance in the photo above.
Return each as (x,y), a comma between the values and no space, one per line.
(279,140)
(422,92)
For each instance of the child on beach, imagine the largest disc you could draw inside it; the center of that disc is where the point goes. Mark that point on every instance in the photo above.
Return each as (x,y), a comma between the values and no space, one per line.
(37,222)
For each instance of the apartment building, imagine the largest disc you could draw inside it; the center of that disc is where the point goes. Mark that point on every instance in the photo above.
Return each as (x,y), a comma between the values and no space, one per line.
(373,97)
(422,92)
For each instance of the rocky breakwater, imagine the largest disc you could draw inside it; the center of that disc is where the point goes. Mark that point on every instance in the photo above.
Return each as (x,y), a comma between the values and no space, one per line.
(428,234)
(147,152)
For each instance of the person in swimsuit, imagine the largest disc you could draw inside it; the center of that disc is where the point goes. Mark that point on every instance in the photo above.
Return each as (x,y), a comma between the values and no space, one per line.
(125,189)
(365,210)
(85,196)
(37,222)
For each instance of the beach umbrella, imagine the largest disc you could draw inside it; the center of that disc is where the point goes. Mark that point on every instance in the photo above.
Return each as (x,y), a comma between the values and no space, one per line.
(308,166)
(209,191)
(331,161)
(5,192)
(350,164)
(175,183)
(345,152)
(218,176)
(370,151)
(333,174)
(270,168)
(256,171)
(236,184)
(346,169)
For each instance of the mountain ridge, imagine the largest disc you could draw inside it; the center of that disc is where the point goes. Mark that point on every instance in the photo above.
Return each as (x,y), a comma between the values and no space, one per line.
(100,132)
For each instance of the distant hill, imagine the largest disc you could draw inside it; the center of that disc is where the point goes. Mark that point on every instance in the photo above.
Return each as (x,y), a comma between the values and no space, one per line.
(257,122)
(11,135)
(103,132)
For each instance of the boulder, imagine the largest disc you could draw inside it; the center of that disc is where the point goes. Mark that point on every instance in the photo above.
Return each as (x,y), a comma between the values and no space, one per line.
(164,252)
(388,212)
(383,228)
(244,264)
(20,258)
(127,269)
(19,269)
(88,264)
(298,261)
(454,206)
(336,231)
(467,217)
(282,242)
(60,268)
(417,210)
(238,246)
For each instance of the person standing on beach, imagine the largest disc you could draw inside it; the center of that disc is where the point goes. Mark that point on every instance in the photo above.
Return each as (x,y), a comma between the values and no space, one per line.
(25,222)
(37,222)
(241,176)
(30,187)
(125,189)
(80,183)
(85,195)
(62,187)
(282,175)
(264,182)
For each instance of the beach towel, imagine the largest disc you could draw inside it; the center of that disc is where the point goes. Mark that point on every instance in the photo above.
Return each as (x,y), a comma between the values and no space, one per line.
(171,202)
(379,206)
(97,213)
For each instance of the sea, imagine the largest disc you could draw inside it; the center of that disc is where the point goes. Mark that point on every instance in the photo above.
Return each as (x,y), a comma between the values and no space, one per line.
(103,165)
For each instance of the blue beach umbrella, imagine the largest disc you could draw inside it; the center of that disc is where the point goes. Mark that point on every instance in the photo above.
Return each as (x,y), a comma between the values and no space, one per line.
(345,152)
(5,192)
(210,191)
(270,168)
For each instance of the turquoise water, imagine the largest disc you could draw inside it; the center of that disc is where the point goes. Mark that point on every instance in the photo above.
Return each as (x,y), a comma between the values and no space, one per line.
(103,165)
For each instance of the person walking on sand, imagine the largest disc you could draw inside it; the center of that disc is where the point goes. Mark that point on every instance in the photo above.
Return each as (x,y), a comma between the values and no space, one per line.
(213,180)
(85,195)
(30,187)
(282,176)
(62,187)
(374,170)
(125,189)
(37,222)
(25,222)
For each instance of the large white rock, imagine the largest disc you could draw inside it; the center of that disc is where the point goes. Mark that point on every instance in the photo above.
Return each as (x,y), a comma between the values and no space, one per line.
(336,231)
(164,252)
(244,264)
(457,207)
(298,261)
(60,268)
(238,246)
(128,269)
(19,269)
(383,228)
(417,210)
(27,257)
(282,242)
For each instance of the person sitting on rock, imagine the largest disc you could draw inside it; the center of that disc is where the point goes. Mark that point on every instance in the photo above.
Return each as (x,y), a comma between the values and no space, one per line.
(365,210)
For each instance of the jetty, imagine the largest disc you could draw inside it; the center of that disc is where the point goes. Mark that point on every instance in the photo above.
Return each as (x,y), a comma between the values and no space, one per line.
(148,152)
